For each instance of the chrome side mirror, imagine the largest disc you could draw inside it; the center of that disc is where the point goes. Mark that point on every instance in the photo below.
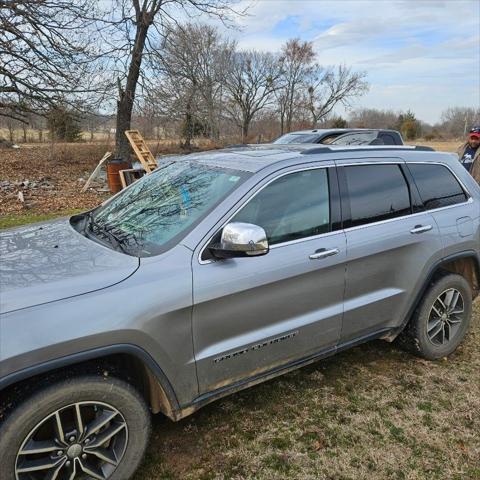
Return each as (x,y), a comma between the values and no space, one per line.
(241,240)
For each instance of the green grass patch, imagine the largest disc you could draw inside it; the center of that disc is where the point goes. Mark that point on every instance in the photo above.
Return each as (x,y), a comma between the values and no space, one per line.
(15,220)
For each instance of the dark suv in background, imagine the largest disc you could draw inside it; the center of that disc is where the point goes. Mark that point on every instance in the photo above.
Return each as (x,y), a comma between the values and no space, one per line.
(342,137)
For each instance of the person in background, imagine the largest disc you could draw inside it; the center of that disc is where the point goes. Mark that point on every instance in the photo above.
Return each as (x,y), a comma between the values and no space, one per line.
(469,153)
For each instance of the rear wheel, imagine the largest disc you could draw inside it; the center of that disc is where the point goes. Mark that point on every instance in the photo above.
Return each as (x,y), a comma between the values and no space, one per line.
(83,428)
(441,321)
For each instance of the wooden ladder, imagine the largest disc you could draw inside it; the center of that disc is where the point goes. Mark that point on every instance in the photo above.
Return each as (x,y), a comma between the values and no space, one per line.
(141,150)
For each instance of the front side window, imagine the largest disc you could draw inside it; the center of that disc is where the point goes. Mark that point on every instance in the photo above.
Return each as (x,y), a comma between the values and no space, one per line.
(150,216)
(437,186)
(292,207)
(376,192)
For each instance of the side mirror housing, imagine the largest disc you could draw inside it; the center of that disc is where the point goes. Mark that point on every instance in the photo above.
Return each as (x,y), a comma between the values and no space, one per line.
(241,240)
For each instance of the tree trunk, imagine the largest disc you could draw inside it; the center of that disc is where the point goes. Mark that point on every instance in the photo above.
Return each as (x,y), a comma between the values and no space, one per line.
(127,94)
(245,127)
(188,127)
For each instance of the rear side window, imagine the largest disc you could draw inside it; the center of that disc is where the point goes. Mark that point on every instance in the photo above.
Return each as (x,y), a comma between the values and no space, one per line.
(356,138)
(437,186)
(387,139)
(292,207)
(376,192)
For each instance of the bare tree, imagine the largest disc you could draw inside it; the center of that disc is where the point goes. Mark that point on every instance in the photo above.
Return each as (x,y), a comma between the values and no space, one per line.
(192,64)
(298,69)
(132,29)
(335,86)
(251,81)
(45,58)
(373,118)
(456,121)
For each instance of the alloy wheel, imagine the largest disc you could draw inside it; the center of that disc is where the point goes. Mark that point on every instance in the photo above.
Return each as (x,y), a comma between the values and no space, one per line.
(446,317)
(82,440)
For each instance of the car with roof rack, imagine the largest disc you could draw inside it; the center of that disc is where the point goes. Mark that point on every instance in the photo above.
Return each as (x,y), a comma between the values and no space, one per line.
(218,271)
(342,137)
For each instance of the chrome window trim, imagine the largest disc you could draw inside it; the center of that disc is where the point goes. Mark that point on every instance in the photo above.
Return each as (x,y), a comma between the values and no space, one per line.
(358,227)
(304,169)
(403,217)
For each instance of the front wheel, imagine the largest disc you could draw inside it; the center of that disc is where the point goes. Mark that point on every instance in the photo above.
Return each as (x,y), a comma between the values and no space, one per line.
(441,321)
(85,427)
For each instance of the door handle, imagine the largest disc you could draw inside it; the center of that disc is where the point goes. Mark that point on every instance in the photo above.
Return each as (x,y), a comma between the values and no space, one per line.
(421,228)
(323,253)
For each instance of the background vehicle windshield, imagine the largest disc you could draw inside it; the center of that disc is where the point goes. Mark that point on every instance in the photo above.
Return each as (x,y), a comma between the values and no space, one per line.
(154,212)
(297,138)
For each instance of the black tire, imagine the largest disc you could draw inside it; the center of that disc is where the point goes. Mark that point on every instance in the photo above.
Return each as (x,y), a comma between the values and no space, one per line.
(113,394)
(416,337)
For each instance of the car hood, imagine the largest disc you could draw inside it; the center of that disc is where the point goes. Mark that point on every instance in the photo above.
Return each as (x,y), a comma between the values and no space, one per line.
(49,261)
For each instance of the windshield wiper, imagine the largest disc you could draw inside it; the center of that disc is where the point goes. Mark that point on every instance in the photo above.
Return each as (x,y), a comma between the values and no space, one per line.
(116,242)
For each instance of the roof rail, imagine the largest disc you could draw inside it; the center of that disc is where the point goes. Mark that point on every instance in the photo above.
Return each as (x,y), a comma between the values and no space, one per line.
(418,148)
(423,148)
(316,150)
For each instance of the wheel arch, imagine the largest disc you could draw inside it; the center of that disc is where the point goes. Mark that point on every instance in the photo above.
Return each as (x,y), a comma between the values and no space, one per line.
(124,361)
(466,263)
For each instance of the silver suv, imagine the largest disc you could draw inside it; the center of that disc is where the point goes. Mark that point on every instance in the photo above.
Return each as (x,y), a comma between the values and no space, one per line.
(214,273)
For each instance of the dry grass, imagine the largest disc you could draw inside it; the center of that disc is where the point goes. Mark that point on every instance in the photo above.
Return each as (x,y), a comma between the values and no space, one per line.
(373,412)
(441,146)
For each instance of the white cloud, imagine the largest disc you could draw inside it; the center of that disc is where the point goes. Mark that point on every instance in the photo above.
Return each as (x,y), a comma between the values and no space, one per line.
(419,54)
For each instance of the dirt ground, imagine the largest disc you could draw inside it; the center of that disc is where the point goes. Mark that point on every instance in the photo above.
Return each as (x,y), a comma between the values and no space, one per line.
(51,178)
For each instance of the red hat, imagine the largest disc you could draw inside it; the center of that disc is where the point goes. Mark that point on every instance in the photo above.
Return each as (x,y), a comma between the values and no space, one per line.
(474,132)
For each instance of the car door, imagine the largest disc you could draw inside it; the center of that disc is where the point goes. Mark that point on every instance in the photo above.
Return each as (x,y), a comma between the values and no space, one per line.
(448,201)
(257,314)
(391,245)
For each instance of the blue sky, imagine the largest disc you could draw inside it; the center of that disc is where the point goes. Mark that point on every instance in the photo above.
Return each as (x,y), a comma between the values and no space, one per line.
(422,55)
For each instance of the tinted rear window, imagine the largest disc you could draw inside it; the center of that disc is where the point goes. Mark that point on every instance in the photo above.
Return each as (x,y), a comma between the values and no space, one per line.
(437,186)
(377,192)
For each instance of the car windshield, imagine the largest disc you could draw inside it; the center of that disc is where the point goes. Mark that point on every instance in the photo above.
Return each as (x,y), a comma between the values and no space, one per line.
(152,214)
(297,138)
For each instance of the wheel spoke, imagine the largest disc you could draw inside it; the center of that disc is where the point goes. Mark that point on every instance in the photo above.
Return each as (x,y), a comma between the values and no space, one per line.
(440,301)
(443,333)
(454,320)
(449,298)
(79,421)
(53,474)
(105,417)
(436,310)
(106,435)
(433,324)
(33,447)
(92,471)
(446,331)
(74,470)
(454,302)
(437,330)
(103,454)
(59,428)
(39,464)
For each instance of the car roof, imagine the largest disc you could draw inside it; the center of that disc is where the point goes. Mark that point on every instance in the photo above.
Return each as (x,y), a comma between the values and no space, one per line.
(252,158)
(321,131)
